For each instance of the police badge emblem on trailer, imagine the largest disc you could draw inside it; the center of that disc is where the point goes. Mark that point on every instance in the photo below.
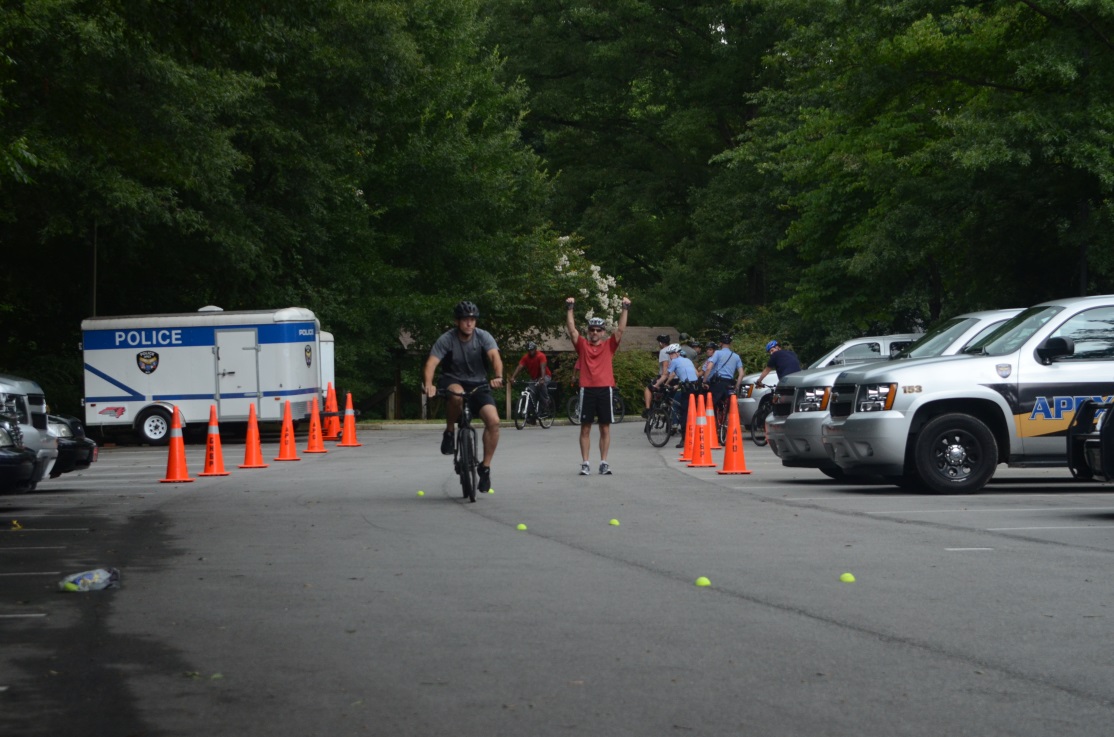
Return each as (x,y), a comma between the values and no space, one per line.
(309,355)
(147,361)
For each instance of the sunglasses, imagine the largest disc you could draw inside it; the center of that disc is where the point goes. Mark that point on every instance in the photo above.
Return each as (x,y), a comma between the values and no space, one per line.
(595,330)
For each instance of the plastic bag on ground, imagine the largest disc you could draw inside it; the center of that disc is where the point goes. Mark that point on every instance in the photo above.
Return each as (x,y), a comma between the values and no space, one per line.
(101,578)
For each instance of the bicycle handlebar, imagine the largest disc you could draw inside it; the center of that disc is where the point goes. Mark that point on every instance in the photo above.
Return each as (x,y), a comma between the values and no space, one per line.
(448,392)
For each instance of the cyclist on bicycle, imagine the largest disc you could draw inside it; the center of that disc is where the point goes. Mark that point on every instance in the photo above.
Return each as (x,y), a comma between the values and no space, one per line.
(682,370)
(597,380)
(782,361)
(536,365)
(663,369)
(461,352)
(720,368)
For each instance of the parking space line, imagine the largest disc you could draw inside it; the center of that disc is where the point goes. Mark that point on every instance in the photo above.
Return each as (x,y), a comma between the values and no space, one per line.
(22,616)
(965,550)
(997,510)
(31,573)
(1073,527)
(33,547)
(51,529)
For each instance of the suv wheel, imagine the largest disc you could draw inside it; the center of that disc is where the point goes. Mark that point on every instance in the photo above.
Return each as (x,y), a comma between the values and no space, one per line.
(955,454)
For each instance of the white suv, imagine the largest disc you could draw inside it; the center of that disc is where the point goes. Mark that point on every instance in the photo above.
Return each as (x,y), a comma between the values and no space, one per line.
(800,403)
(24,400)
(946,423)
(850,352)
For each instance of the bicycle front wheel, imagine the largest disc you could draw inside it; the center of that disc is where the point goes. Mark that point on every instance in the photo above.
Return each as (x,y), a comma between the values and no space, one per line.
(466,463)
(617,408)
(521,407)
(722,410)
(546,412)
(659,428)
(573,409)
(758,425)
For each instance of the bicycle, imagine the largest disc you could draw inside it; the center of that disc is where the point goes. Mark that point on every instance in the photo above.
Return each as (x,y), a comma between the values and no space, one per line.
(758,421)
(722,412)
(618,408)
(465,462)
(534,403)
(663,420)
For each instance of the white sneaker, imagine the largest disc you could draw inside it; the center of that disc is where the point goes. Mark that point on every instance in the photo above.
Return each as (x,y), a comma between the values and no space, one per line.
(585,469)
(605,469)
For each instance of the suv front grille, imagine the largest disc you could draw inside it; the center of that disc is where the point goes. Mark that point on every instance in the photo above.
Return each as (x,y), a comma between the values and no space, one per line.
(843,400)
(782,399)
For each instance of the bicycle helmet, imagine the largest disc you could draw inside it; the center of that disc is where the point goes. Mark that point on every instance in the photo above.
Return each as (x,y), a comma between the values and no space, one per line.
(663,338)
(595,322)
(466,309)
(725,338)
(673,348)
(771,345)
(531,346)
(711,345)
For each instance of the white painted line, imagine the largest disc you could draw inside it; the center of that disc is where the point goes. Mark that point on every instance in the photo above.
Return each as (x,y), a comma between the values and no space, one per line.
(1076,527)
(965,550)
(32,573)
(21,616)
(40,547)
(997,509)
(52,529)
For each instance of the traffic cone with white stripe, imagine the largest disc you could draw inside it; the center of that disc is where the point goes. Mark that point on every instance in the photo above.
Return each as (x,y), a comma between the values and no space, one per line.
(214,457)
(253,454)
(702,454)
(713,429)
(330,424)
(690,432)
(348,437)
(314,443)
(176,470)
(287,451)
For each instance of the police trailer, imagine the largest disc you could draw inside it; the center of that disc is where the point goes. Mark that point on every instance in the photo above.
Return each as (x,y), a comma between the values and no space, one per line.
(139,367)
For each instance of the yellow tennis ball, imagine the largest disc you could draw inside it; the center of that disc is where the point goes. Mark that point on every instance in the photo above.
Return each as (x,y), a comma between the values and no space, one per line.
(491,491)
(614,523)
(421,493)
(847,578)
(702,581)
(521,526)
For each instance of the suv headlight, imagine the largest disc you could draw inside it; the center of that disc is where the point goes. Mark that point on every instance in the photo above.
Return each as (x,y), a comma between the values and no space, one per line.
(59,429)
(6,439)
(813,399)
(876,397)
(746,390)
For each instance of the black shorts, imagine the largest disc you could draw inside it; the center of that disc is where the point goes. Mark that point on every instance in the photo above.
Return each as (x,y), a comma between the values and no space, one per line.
(597,405)
(475,401)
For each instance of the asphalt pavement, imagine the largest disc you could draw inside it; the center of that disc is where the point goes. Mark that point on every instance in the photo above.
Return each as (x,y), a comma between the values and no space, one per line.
(326,597)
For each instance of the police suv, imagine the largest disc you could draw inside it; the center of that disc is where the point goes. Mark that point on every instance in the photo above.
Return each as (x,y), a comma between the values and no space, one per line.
(800,402)
(945,423)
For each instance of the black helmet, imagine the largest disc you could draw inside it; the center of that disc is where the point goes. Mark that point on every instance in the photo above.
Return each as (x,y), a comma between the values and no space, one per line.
(531,346)
(663,338)
(465,309)
(725,338)
(710,344)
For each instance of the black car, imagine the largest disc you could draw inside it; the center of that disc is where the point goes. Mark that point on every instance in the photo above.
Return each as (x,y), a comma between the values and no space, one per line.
(17,463)
(76,452)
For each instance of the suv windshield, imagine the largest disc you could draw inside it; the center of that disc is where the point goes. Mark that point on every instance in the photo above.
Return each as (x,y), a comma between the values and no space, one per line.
(1013,333)
(16,406)
(936,341)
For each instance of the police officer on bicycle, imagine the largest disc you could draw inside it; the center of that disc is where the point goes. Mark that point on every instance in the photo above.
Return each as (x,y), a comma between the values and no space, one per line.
(723,366)
(682,370)
(461,352)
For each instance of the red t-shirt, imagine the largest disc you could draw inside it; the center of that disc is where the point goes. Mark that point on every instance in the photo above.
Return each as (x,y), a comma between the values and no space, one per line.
(595,361)
(535,365)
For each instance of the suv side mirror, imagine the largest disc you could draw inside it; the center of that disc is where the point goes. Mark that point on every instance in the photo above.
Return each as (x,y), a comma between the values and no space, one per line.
(1055,348)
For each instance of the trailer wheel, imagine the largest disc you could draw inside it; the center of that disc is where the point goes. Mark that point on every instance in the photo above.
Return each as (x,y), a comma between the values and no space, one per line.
(153,426)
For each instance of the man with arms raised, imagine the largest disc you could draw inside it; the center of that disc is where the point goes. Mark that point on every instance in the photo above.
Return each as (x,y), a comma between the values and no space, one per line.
(597,380)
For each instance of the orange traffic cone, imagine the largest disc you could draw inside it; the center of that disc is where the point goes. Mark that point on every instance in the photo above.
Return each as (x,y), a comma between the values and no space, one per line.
(287,451)
(176,471)
(713,429)
(253,454)
(315,444)
(348,439)
(690,431)
(214,457)
(702,454)
(330,424)
(734,459)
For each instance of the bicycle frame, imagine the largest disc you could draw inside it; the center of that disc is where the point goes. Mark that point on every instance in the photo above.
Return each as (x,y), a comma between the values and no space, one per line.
(465,460)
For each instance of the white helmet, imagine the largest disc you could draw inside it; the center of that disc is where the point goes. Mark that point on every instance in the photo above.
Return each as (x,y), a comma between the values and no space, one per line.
(673,348)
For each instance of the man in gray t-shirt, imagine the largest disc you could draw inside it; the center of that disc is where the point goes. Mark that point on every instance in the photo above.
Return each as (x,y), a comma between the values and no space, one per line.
(461,353)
